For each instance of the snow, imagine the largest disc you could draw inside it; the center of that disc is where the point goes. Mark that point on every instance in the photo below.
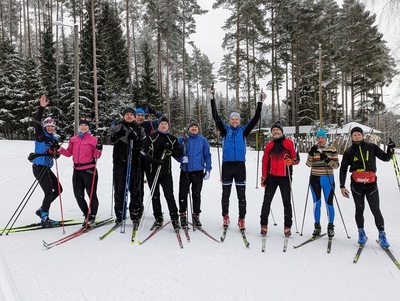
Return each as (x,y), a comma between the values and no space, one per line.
(86,268)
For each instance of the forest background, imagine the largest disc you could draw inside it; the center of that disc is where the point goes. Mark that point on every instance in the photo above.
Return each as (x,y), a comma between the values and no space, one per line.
(145,57)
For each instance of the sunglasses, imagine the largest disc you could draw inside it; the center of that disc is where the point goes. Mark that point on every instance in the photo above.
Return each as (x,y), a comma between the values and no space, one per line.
(85,118)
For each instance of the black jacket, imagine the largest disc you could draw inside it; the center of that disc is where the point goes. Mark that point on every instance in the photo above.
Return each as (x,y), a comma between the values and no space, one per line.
(153,149)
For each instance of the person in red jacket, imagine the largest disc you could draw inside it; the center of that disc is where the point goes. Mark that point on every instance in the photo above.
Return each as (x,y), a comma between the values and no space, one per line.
(279,155)
(85,149)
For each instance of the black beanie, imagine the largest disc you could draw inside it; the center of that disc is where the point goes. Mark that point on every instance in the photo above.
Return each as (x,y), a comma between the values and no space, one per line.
(129,110)
(163,119)
(356,129)
(193,123)
(277,125)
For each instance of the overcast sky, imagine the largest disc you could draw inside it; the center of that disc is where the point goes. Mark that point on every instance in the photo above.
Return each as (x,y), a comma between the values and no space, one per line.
(209,35)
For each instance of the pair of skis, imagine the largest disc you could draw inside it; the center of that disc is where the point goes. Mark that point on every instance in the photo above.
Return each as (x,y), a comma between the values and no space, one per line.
(242,232)
(386,249)
(264,243)
(38,226)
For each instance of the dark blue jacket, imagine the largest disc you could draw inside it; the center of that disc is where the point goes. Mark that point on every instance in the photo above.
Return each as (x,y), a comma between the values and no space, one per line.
(197,149)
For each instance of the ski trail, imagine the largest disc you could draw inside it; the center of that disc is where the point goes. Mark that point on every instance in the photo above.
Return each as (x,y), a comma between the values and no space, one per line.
(7,287)
(10,176)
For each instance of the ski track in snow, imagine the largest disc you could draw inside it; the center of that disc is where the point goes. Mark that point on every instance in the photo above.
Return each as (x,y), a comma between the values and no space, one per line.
(86,268)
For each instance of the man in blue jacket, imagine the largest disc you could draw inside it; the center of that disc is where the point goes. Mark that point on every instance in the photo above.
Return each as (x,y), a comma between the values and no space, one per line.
(195,166)
(234,157)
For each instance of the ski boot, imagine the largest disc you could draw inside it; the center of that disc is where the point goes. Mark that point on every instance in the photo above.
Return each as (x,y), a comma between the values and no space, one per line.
(317,230)
(362,237)
(196,220)
(226,221)
(241,224)
(184,222)
(46,222)
(264,230)
(331,231)
(287,232)
(382,239)
(159,222)
(175,224)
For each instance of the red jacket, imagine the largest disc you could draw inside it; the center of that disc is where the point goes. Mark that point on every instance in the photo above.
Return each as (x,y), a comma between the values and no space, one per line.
(275,153)
(83,151)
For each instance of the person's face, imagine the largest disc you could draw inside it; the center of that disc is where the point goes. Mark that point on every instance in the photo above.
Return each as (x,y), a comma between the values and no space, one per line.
(321,140)
(235,121)
(276,132)
(129,117)
(163,126)
(50,129)
(140,118)
(357,136)
(83,128)
(194,129)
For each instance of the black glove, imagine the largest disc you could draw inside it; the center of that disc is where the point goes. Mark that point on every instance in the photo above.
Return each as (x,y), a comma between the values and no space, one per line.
(132,135)
(99,146)
(391,145)
(54,145)
(323,156)
(313,150)
(118,135)
(159,162)
(150,110)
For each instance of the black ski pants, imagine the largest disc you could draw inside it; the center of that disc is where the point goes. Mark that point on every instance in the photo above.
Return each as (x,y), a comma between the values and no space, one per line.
(369,191)
(49,183)
(187,179)
(82,180)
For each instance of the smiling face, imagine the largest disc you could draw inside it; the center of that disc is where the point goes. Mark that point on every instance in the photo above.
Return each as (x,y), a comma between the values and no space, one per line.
(83,128)
(321,140)
(163,126)
(194,129)
(234,121)
(50,129)
(276,132)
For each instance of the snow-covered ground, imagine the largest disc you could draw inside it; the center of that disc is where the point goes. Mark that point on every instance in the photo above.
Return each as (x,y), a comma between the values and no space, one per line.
(114,269)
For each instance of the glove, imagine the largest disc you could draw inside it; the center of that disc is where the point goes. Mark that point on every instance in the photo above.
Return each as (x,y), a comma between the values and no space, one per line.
(313,150)
(150,110)
(54,145)
(288,161)
(263,182)
(132,135)
(262,97)
(120,133)
(391,145)
(159,162)
(323,156)
(53,153)
(206,175)
(185,159)
(99,146)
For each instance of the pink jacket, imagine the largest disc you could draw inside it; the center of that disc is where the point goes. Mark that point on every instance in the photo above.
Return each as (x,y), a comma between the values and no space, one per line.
(83,151)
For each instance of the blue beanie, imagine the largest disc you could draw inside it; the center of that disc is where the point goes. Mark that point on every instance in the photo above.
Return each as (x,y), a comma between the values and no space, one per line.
(322,133)
(139,111)
(234,114)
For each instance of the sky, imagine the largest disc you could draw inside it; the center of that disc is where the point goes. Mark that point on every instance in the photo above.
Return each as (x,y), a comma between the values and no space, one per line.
(87,269)
(209,36)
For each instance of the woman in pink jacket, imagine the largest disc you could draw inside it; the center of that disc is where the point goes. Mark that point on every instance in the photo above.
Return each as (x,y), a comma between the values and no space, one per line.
(85,149)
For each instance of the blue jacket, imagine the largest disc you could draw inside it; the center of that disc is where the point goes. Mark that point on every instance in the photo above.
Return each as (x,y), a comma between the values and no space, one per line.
(197,149)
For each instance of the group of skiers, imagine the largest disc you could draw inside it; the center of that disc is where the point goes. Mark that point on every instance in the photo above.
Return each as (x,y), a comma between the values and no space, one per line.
(145,147)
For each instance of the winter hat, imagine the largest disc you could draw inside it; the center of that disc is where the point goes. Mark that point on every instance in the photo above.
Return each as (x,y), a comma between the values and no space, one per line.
(84,120)
(129,110)
(139,111)
(277,125)
(193,122)
(48,122)
(234,114)
(356,129)
(321,133)
(163,119)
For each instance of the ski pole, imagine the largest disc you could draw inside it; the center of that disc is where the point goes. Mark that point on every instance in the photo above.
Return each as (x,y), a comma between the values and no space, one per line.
(91,192)
(396,169)
(25,199)
(188,180)
(259,142)
(147,204)
(273,218)
(127,185)
(59,195)
(308,191)
(291,193)
(337,203)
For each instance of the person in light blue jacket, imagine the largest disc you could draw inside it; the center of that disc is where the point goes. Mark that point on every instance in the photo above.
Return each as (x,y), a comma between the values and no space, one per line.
(195,167)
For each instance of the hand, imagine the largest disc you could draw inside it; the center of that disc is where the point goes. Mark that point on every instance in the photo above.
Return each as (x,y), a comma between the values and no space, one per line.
(54,145)
(391,145)
(99,146)
(323,156)
(185,159)
(132,135)
(120,133)
(43,101)
(313,150)
(288,161)
(262,97)
(263,182)
(345,192)
(206,175)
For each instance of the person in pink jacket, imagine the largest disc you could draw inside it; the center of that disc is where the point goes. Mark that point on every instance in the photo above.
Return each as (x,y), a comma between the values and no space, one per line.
(85,149)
